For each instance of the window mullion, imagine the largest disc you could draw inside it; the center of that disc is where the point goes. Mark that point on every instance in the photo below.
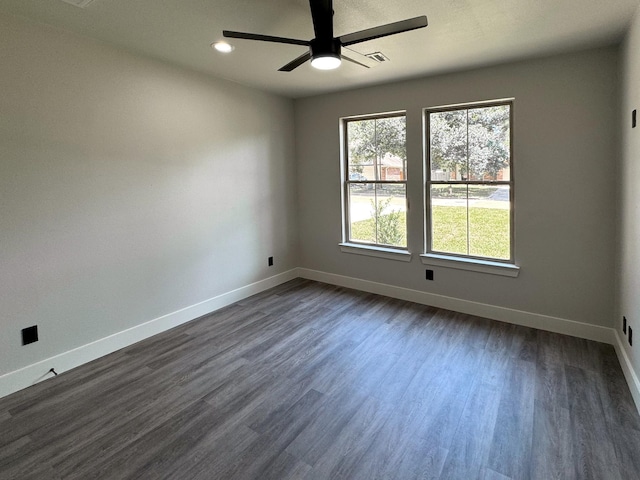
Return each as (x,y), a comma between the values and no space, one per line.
(468,178)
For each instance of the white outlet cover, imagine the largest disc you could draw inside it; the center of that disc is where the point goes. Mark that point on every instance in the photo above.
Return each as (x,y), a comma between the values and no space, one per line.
(78,3)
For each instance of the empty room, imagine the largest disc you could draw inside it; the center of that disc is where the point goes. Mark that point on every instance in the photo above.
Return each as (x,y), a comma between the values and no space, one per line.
(314,239)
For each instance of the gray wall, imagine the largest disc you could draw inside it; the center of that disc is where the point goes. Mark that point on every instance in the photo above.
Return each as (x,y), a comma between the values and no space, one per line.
(629,268)
(565,157)
(129,189)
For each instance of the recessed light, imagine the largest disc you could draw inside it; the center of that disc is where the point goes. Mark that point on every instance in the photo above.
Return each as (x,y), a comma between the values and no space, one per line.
(223,47)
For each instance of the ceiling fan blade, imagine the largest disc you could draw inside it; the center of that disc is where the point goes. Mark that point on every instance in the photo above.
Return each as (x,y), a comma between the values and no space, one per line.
(344,57)
(384,30)
(296,63)
(264,38)
(322,15)
(358,58)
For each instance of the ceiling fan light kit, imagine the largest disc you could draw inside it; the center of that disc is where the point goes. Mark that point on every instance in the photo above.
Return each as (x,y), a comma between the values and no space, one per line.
(325,53)
(328,62)
(325,50)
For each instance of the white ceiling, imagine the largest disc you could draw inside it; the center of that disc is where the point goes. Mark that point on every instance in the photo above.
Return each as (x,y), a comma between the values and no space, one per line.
(461,34)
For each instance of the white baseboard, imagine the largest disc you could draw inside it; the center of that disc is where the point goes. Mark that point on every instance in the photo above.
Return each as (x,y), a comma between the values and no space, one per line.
(627,368)
(34,373)
(31,374)
(518,317)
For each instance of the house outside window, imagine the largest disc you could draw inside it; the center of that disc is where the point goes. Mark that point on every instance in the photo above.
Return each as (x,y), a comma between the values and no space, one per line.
(375,181)
(469,181)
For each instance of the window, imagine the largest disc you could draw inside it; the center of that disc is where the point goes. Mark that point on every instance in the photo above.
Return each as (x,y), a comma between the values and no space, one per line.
(469,188)
(375,181)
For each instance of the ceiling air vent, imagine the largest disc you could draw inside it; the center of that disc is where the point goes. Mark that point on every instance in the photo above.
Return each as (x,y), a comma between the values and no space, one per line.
(377,56)
(78,3)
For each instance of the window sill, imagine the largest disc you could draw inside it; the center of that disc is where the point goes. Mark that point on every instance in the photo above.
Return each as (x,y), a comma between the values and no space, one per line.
(471,264)
(380,252)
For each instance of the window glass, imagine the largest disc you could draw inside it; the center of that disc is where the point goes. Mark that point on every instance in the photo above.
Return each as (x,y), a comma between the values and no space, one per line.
(375,181)
(469,185)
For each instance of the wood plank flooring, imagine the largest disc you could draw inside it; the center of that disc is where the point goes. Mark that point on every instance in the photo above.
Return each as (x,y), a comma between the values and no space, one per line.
(313,381)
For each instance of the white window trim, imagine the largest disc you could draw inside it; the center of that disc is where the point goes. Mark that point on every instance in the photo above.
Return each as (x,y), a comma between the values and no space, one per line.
(470,264)
(482,265)
(376,251)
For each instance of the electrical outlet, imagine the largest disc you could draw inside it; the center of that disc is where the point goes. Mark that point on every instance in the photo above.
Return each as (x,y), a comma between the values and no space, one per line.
(630,335)
(624,325)
(29,335)
(270,261)
(429,275)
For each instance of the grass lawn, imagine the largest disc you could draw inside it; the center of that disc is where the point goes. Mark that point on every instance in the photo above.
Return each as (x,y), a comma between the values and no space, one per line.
(365,230)
(488,231)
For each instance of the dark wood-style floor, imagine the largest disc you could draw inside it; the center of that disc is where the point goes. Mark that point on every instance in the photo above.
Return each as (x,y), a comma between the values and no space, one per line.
(311,381)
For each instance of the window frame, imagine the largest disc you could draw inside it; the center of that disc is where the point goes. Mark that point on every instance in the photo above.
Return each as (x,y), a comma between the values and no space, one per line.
(349,245)
(467,261)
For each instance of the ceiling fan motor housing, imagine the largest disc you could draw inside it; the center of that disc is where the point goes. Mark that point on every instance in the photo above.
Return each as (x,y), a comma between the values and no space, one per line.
(325,47)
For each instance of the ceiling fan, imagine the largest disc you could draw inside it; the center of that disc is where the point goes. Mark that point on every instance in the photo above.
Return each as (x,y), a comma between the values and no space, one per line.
(325,50)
